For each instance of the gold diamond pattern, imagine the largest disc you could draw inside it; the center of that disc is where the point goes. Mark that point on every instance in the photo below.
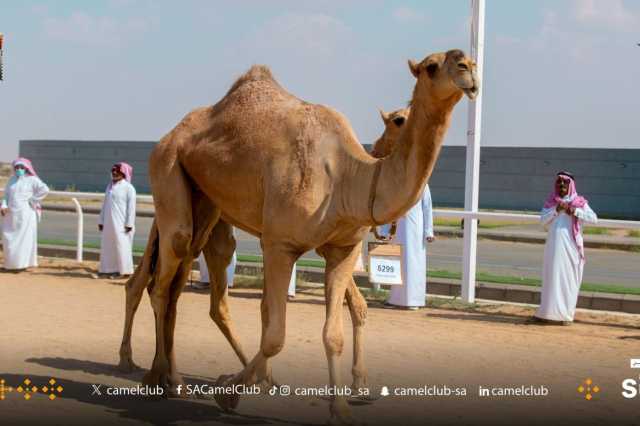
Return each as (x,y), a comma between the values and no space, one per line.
(587,389)
(28,389)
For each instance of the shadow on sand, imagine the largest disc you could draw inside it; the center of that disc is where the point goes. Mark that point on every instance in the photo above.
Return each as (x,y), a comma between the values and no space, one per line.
(154,410)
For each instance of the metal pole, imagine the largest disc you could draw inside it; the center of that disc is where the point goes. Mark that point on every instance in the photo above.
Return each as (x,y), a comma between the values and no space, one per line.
(80,233)
(472,176)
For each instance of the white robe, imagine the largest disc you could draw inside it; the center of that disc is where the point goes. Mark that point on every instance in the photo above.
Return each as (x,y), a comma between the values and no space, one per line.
(20,224)
(118,211)
(413,229)
(230,272)
(562,270)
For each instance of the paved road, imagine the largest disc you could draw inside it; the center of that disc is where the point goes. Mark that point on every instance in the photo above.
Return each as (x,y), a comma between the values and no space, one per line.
(603,266)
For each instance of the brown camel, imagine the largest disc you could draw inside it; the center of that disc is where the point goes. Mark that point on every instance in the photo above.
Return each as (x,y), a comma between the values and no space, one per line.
(294,175)
(393,123)
(219,311)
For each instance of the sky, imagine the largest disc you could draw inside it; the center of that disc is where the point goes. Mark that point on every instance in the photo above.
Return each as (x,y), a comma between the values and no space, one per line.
(557,73)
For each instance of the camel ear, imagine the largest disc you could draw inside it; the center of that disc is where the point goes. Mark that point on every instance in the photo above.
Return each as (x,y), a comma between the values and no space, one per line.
(385,116)
(415,68)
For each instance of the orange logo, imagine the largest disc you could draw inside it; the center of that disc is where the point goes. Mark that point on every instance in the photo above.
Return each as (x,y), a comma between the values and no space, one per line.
(588,389)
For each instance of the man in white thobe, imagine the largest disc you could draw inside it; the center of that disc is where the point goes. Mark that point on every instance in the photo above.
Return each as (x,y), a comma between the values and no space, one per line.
(117,223)
(20,211)
(415,230)
(563,214)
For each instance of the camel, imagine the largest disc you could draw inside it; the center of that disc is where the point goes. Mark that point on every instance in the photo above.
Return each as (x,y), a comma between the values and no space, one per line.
(219,311)
(294,175)
(393,123)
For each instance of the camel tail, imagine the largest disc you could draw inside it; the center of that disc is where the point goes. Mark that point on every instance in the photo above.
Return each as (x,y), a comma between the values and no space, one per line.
(153,245)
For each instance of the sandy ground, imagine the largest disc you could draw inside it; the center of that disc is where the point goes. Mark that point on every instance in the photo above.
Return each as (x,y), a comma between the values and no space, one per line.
(57,322)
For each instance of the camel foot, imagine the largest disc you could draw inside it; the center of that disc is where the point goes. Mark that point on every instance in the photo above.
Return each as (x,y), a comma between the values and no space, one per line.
(127,365)
(154,378)
(227,402)
(341,414)
(360,383)
(177,388)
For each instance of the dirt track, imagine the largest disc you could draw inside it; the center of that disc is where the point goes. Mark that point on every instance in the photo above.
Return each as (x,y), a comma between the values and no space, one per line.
(58,322)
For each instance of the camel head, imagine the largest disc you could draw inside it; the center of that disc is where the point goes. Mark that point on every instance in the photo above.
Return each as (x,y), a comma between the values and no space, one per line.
(446,74)
(393,122)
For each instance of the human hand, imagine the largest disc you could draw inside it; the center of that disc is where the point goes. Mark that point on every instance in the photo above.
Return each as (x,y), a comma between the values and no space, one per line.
(128,229)
(431,239)
(4,211)
(100,227)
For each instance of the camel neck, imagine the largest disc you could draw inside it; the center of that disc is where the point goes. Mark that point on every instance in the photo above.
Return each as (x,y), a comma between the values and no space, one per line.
(407,169)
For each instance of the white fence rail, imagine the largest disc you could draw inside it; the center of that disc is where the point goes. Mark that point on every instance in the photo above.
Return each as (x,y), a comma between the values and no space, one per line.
(519,217)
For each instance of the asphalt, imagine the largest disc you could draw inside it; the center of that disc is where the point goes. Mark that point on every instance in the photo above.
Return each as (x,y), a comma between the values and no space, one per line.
(512,258)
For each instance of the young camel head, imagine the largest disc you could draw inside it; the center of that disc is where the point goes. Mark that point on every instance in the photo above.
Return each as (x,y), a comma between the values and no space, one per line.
(393,122)
(447,74)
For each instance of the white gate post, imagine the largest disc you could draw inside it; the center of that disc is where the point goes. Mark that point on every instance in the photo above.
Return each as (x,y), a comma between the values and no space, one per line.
(472,175)
(80,230)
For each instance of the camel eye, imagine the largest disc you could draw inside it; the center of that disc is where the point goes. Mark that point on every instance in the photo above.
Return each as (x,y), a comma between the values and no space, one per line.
(463,66)
(398,121)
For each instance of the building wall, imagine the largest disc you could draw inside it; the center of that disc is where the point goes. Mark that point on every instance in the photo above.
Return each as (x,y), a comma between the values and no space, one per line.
(86,165)
(510,178)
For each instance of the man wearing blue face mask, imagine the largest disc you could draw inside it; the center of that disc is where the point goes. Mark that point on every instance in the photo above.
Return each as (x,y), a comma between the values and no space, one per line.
(20,210)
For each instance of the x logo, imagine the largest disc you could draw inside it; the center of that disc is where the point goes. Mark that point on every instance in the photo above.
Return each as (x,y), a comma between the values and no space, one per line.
(96,390)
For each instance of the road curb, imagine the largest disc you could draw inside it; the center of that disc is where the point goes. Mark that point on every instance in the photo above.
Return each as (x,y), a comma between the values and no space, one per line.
(437,286)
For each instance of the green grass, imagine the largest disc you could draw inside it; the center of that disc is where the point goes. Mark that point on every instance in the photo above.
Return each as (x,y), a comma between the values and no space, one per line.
(634,233)
(433,273)
(591,230)
(137,249)
(446,222)
(533,282)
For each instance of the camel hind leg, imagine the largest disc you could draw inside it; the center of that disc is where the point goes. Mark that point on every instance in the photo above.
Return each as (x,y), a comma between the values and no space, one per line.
(174,220)
(134,289)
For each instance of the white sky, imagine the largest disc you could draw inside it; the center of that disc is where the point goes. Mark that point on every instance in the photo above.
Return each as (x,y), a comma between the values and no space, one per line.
(557,73)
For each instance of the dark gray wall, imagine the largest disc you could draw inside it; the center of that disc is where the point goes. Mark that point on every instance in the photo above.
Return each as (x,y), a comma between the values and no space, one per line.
(510,178)
(521,178)
(86,165)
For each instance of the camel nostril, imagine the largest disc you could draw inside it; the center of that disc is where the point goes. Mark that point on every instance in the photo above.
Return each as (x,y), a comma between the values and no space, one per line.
(463,66)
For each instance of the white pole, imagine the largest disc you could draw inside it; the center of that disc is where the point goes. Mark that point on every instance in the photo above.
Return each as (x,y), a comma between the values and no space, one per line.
(80,233)
(472,177)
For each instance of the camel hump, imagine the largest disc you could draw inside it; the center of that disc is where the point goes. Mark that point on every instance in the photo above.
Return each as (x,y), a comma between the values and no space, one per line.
(255,73)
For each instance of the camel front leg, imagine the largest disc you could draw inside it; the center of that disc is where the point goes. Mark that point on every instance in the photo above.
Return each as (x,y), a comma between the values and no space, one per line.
(278,263)
(338,278)
(358,311)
